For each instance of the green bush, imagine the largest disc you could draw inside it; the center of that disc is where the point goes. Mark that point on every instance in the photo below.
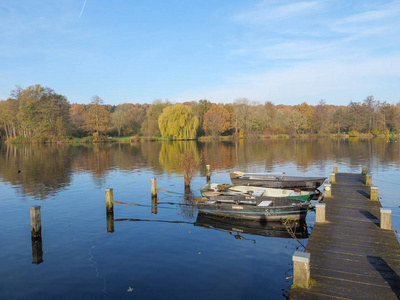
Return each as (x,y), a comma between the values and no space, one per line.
(353,133)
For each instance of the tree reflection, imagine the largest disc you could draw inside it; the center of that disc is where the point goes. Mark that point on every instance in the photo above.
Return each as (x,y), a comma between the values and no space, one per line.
(46,169)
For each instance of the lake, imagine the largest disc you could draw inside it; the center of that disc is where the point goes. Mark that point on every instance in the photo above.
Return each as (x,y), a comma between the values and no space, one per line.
(169,252)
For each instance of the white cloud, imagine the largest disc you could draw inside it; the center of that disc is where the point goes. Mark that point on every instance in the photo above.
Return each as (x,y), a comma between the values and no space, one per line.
(337,83)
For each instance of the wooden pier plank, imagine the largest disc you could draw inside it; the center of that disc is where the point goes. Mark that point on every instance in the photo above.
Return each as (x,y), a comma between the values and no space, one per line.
(351,257)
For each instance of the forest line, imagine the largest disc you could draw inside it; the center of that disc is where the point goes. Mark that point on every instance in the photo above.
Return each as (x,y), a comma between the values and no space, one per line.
(39,114)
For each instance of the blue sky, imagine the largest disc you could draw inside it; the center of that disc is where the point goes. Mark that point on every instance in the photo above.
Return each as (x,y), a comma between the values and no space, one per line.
(137,51)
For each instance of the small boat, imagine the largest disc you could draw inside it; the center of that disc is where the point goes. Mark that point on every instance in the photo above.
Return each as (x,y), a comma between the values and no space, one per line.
(216,189)
(237,227)
(276,180)
(258,208)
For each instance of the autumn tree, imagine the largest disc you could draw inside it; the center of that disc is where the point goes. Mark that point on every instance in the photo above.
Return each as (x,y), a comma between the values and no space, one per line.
(321,118)
(98,118)
(199,109)
(307,111)
(216,120)
(78,115)
(339,119)
(150,125)
(297,122)
(42,113)
(243,117)
(8,118)
(178,122)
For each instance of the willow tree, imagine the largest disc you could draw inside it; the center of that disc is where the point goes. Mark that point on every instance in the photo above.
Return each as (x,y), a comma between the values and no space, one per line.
(178,122)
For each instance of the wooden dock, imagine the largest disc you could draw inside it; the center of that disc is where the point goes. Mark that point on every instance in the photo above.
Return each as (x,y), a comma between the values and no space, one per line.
(350,256)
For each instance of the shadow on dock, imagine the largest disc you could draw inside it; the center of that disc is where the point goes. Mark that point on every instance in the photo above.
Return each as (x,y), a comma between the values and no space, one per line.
(387,273)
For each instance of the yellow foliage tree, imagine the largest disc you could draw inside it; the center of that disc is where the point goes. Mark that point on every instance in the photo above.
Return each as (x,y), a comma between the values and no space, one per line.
(178,122)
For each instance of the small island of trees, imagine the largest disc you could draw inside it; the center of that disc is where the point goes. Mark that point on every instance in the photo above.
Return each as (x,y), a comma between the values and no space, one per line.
(39,114)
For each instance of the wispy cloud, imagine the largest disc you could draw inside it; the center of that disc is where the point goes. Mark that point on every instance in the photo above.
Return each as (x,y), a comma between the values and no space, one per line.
(266,12)
(83,7)
(337,83)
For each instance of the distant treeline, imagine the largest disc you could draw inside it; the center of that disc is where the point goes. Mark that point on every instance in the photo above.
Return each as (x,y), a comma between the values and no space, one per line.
(39,114)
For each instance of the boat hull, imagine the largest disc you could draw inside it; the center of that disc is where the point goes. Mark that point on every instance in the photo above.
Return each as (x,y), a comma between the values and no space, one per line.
(290,182)
(249,208)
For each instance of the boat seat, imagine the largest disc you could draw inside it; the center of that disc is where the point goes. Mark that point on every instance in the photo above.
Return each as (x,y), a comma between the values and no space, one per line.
(265,203)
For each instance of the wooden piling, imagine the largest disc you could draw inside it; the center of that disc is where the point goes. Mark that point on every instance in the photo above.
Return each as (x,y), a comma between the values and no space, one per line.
(374,193)
(320,212)
(332,177)
(368,179)
(208,172)
(109,201)
(386,218)
(153,188)
(36,222)
(301,269)
(327,190)
(335,169)
(364,170)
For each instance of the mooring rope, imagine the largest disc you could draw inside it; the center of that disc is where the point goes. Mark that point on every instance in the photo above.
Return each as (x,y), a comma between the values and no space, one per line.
(387,181)
(170,192)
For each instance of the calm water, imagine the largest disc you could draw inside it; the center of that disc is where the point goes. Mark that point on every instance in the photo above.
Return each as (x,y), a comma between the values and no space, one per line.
(169,255)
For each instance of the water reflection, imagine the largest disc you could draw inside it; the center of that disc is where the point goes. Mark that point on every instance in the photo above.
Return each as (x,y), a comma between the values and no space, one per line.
(47,169)
(237,227)
(37,252)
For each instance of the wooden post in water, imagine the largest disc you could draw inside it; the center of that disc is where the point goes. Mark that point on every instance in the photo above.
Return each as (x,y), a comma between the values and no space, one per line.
(364,170)
(109,201)
(110,210)
(328,190)
(320,212)
(208,173)
(153,188)
(374,193)
(301,269)
(368,179)
(332,178)
(386,218)
(36,222)
(335,169)
(36,234)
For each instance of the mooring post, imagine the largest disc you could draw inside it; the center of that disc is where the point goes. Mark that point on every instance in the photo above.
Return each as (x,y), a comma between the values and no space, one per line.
(374,193)
(328,190)
(301,269)
(386,218)
(332,178)
(110,210)
(320,212)
(208,172)
(153,188)
(36,222)
(368,179)
(109,201)
(335,169)
(364,170)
